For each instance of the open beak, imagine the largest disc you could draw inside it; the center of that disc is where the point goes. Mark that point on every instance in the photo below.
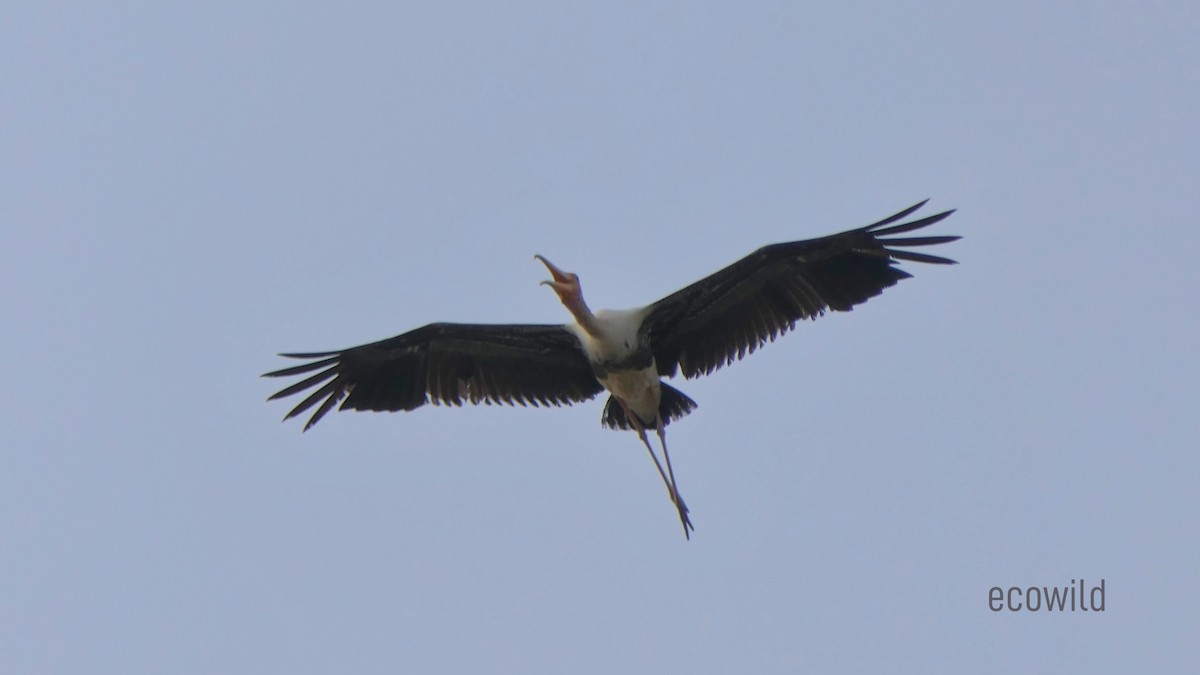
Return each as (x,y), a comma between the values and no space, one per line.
(560,277)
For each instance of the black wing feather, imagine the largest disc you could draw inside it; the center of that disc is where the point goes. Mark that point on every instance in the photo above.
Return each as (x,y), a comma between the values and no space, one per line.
(446,363)
(727,315)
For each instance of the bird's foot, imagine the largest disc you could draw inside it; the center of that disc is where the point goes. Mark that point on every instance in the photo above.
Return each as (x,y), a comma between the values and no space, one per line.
(683,515)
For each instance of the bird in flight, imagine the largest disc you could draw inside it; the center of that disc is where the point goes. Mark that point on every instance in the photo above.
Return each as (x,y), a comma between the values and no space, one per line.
(694,331)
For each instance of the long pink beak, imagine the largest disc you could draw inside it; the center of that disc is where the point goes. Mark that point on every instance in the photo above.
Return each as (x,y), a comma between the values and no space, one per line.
(559,275)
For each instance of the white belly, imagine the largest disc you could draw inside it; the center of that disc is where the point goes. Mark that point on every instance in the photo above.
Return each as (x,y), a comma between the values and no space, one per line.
(639,389)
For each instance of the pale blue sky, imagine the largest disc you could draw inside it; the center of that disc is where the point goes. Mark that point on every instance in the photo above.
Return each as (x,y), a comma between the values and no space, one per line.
(188,189)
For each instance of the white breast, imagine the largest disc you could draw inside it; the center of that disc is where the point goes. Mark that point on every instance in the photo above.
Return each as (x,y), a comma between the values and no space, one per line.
(618,340)
(618,334)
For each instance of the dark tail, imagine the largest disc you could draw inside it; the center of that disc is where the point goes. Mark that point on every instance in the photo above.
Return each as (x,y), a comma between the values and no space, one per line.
(674,404)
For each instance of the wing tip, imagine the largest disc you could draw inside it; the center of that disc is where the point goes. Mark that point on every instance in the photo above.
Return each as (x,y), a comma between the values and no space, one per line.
(896,216)
(308,355)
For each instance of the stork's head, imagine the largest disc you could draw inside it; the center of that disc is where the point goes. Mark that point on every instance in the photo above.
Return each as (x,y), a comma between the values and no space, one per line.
(565,284)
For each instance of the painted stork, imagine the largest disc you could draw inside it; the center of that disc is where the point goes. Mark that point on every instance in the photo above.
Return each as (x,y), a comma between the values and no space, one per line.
(694,331)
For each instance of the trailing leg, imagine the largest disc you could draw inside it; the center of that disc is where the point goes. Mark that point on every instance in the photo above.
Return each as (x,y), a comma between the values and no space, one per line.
(668,482)
(676,497)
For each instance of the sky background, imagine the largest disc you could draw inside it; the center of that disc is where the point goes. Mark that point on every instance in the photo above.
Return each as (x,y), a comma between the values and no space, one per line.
(187,189)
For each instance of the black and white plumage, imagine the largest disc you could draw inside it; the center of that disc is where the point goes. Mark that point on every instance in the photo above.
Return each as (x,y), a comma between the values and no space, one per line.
(692,332)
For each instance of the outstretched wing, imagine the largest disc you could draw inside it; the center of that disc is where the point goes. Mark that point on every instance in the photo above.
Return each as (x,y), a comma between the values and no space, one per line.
(446,363)
(727,315)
